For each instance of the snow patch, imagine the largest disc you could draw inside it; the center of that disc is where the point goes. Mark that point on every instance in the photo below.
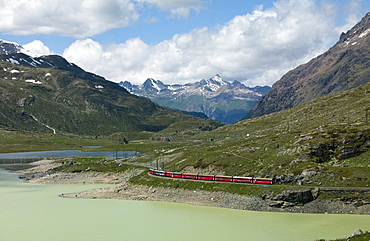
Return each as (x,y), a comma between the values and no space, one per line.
(99,87)
(47,74)
(33,63)
(155,85)
(33,81)
(14,71)
(366,32)
(13,61)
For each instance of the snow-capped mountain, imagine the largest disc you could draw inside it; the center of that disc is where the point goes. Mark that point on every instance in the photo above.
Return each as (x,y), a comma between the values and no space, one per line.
(218,99)
(7,47)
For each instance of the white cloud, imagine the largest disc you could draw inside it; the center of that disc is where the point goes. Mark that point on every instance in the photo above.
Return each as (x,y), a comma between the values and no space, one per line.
(85,53)
(36,48)
(79,19)
(257,48)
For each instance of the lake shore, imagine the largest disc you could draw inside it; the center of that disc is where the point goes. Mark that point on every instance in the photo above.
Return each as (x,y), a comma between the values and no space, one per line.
(41,172)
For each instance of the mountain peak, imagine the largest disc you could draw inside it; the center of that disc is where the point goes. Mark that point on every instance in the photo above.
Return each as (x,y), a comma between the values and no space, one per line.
(217,79)
(153,85)
(213,84)
(7,47)
(360,30)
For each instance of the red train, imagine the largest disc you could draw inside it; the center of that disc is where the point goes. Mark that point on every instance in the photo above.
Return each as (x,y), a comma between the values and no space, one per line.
(213,177)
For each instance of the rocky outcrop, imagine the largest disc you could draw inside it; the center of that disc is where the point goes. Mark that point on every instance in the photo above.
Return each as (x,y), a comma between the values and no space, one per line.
(326,145)
(160,138)
(350,143)
(294,197)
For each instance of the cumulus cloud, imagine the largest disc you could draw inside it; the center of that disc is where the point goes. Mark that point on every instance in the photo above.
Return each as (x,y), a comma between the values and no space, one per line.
(85,53)
(256,48)
(79,19)
(36,48)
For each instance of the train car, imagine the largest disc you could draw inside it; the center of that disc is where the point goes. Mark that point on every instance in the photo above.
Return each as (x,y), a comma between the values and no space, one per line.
(263,180)
(190,176)
(223,178)
(168,174)
(151,171)
(177,174)
(206,177)
(243,179)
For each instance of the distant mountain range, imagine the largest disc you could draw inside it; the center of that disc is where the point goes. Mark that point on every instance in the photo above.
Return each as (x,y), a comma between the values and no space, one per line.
(216,98)
(344,66)
(49,94)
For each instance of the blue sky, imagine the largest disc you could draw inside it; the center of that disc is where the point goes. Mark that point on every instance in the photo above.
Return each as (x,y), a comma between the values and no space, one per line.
(178,41)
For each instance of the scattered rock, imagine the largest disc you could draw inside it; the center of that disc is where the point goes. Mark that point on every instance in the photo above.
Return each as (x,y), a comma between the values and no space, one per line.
(358,232)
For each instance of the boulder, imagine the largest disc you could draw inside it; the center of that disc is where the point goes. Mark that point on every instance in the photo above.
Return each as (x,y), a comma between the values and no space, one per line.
(358,232)
(296,196)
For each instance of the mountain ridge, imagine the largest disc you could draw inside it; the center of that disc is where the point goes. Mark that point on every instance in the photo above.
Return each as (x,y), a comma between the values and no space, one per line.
(216,98)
